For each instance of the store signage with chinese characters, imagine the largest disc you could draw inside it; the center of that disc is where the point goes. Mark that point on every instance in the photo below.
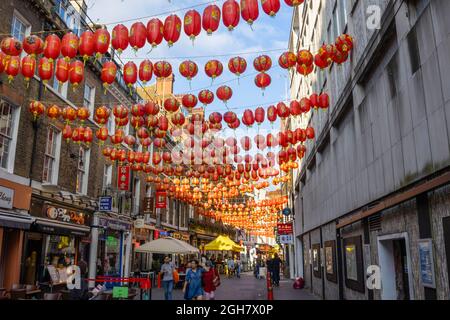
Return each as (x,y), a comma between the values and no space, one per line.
(285,228)
(148,205)
(6,197)
(123,180)
(64,215)
(161,200)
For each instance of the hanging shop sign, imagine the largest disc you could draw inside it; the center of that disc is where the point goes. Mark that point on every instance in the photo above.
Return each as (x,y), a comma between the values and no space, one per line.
(64,215)
(6,198)
(105,204)
(148,204)
(114,224)
(287,239)
(285,228)
(287,212)
(123,180)
(161,200)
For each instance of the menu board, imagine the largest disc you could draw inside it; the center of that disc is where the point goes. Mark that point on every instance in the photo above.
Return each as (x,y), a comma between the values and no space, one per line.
(57,275)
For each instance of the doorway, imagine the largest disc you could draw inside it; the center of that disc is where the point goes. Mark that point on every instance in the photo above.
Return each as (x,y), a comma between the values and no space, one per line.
(394,258)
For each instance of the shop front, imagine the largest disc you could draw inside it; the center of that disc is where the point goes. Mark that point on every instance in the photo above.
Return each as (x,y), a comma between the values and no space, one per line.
(142,233)
(59,237)
(14,220)
(110,256)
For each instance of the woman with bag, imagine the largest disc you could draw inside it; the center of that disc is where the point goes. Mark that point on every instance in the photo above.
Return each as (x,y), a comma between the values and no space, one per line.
(167,275)
(193,284)
(211,281)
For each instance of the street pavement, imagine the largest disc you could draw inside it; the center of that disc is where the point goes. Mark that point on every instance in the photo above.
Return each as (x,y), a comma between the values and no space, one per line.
(246,288)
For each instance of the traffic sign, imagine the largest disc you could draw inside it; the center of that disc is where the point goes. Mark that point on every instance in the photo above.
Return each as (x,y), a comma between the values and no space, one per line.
(105,204)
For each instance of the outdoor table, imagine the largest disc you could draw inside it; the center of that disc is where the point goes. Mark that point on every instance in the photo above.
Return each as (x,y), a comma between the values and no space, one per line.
(32,293)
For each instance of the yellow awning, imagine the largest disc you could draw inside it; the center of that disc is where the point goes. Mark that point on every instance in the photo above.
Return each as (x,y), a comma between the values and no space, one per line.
(222,243)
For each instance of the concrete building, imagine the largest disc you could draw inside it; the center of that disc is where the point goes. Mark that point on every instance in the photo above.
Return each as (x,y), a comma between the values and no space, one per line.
(374,188)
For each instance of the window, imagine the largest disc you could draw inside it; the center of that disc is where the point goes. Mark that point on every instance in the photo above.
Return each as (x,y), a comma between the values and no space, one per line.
(137,196)
(60,88)
(111,125)
(51,156)
(20,28)
(82,170)
(89,98)
(107,176)
(8,134)
(69,15)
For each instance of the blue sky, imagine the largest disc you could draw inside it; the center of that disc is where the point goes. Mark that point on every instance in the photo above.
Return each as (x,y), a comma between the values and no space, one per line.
(268,33)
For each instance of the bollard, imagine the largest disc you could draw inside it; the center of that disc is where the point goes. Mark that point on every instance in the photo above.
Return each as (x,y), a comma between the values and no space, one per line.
(269,287)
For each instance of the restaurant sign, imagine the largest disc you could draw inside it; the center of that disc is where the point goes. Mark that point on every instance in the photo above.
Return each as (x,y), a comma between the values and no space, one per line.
(124,178)
(6,197)
(285,228)
(64,215)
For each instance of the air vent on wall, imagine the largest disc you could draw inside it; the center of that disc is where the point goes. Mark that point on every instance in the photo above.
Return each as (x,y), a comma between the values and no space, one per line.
(375,222)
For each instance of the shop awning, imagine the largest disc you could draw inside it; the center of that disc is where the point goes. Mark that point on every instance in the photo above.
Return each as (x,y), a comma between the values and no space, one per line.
(222,243)
(15,220)
(58,227)
(167,246)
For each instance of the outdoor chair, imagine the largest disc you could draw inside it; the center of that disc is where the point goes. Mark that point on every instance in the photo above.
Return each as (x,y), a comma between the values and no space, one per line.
(52,296)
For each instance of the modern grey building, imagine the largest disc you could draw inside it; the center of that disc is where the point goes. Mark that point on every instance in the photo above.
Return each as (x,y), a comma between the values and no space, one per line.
(373,191)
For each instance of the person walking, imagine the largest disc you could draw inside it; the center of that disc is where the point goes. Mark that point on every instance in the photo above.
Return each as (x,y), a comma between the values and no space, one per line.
(231,266)
(193,285)
(269,264)
(210,280)
(276,265)
(167,270)
(238,266)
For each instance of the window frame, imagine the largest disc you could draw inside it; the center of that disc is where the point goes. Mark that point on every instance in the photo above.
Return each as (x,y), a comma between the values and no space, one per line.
(84,171)
(55,157)
(15,119)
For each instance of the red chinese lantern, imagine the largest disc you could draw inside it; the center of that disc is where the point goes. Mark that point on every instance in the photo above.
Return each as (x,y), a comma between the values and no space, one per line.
(340,57)
(213,69)
(224,93)
(327,52)
(324,101)
(137,122)
(2,61)
(234,125)
(344,43)
(178,119)
(62,71)
(138,36)
(287,60)
(192,24)
(143,134)
(69,46)
(108,74)
(271,7)
(246,144)
(37,109)
(313,101)
(282,110)
(272,141)
(45,69)
(162,69)
(215,117)
(262,63)
(130,74)
(152,121)
(163,123)
(137,110)
(11,47)
(12,67)
(263,80)
(155,32)
(33,45)
(248,118)
(189,101)
(294,3)
(272,114)
(52,47)
(304,70)
(237,65)
(118,137)
(305,57)
(87,45)
(230,14)
(300,134)
(120,38)
(67,133)
(102,134)
(83,114)
(78,135)
(230,117)
(102,115)
(320,63)
(259,115)
(301,151)
(76,73)
(310,133)
(53,112)
(102,40)
(130,140)
(28,68)
(151,108)
(171,104)
(172,29)
(206,97)
(249,10)
(69,114)
(145,71)
(295,108)
(211,19)
(188,69)
(88,135)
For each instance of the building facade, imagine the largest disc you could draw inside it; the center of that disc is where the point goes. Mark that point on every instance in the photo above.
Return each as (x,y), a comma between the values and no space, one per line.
(372,192)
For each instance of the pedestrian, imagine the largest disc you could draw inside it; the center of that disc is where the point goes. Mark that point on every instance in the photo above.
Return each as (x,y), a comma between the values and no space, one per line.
(166,273)
(269,265)
(237,266)
(210,280)
(193,284)
(276,265)
(230,265)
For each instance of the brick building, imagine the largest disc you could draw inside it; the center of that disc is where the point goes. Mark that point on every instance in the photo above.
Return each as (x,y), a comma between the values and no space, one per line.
(373,189)
(51,187)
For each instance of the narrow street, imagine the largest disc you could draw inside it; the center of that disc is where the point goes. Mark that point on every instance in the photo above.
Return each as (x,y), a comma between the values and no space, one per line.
(246,288)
